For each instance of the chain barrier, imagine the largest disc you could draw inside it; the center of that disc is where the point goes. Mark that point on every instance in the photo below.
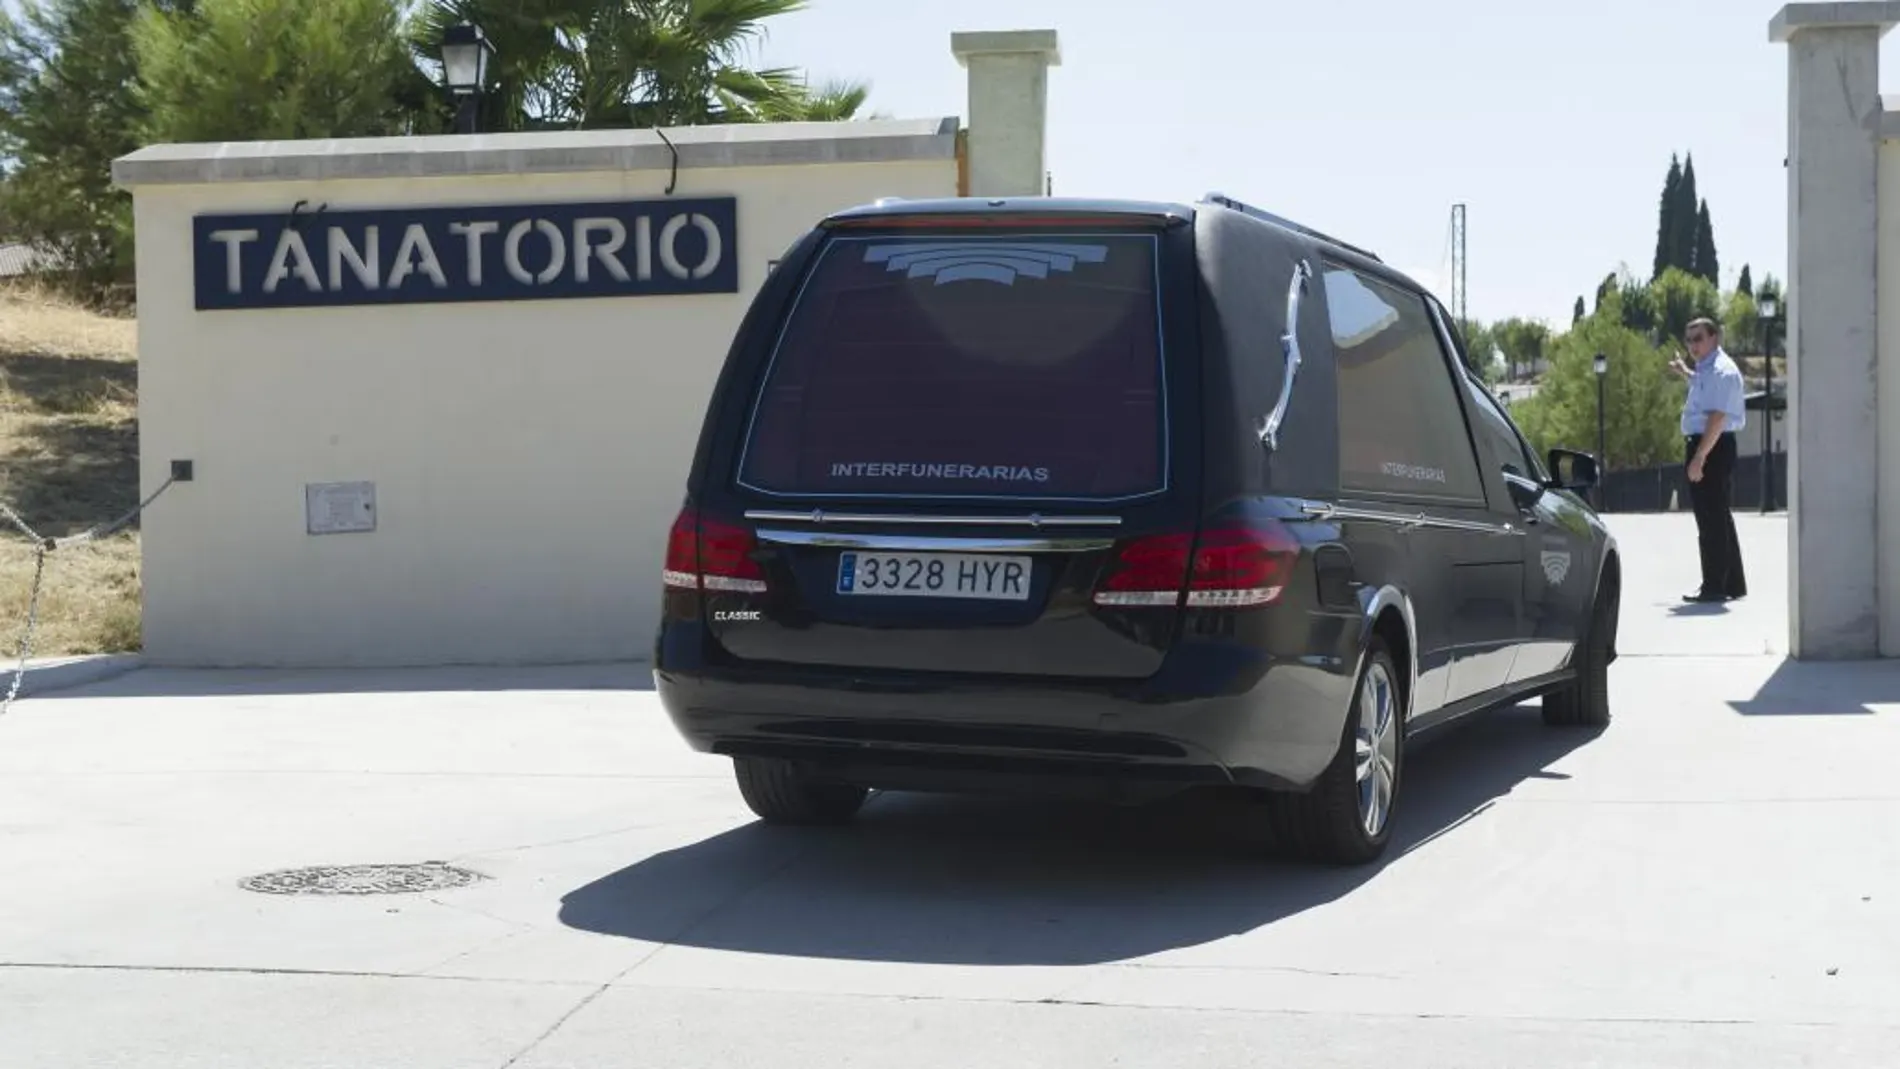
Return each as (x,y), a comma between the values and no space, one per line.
(43,546)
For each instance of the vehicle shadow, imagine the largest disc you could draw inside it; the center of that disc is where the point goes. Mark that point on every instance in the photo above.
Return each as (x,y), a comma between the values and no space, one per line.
(1012,882)
(163,682)
(1825,688)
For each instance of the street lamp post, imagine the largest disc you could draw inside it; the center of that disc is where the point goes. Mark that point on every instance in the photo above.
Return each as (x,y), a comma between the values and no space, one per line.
(466,51)
(1603,371)
(1766,319)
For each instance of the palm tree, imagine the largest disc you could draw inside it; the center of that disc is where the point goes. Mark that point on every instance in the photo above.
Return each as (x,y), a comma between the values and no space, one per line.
(833,101)
(615,64)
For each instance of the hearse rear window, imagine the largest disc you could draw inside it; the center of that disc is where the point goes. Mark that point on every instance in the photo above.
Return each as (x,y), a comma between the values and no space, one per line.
(970,367)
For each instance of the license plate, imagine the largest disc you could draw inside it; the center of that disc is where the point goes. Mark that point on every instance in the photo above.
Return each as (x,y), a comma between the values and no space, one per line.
(934,575)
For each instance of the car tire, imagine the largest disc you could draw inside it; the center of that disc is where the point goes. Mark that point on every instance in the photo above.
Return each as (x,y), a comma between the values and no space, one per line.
(1584,702)
(1330,822)
(780,792)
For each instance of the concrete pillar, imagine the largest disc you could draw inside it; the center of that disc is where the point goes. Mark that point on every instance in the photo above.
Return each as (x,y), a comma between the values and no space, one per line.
(1887,385)
(1008,108)
(1834,112)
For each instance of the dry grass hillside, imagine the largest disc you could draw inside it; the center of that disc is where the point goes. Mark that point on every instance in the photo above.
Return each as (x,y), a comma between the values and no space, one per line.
(68,460)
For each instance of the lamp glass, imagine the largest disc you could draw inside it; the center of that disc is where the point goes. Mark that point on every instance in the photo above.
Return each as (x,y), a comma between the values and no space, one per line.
(1769,306)
(465,55)
(463,65)
(1602,364)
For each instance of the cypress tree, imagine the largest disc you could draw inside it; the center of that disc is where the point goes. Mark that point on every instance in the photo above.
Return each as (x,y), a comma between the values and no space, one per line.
(1577,313)
(1666,225)
(1706,264)
(1743,284)
(1682,234)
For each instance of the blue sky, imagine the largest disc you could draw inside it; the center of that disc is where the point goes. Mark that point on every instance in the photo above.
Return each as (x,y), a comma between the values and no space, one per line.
(1553,122)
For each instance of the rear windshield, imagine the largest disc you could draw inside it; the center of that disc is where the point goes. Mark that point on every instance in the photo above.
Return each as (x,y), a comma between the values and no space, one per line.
(968,367)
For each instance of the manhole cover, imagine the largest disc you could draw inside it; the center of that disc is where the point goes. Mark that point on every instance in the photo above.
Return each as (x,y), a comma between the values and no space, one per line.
(361,879)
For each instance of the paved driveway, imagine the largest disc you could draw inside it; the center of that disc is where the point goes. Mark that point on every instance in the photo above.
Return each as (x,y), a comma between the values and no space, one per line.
(1715,881)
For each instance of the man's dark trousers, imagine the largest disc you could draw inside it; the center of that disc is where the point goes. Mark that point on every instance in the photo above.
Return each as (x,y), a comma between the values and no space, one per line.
(1715,525)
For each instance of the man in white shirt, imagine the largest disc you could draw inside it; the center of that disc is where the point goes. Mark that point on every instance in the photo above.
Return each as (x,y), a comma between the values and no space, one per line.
(1713,411)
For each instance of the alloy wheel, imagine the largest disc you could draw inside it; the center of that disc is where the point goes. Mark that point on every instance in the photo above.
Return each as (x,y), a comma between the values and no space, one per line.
(1376,749)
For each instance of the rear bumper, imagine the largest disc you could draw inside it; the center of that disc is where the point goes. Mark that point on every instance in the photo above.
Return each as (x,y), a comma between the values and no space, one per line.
(1279,731)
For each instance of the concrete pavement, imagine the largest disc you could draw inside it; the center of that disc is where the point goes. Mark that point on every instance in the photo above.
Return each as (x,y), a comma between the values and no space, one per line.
(1714,881)
(44,675)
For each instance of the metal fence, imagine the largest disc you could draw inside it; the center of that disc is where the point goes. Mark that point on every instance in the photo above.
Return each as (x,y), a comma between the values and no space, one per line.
(1665,488)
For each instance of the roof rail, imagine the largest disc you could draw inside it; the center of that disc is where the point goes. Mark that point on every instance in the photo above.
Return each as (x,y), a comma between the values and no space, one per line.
(1244,208)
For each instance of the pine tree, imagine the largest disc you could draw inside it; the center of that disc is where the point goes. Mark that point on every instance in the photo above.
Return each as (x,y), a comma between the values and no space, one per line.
(67,110)
(1743,284)
(1665,226)
(243,70)
(1706,264)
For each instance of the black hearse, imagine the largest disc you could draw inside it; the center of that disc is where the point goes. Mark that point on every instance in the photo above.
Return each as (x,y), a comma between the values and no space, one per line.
(1040,493)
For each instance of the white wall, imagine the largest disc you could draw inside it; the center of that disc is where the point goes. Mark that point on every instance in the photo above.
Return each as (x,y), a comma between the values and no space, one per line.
(1748,440)
(528,456)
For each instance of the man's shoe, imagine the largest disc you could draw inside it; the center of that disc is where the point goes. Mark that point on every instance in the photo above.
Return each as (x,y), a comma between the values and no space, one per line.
(1702,597)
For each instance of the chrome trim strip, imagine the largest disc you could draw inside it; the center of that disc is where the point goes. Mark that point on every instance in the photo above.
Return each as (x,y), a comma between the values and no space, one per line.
(1290,350)
(1320,511)
(1393,597)
(1442,523)
(928,544)
(1036,520)
(1413,520)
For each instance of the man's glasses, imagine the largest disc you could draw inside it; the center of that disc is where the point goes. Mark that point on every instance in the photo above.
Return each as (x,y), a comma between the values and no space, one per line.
(1695,337)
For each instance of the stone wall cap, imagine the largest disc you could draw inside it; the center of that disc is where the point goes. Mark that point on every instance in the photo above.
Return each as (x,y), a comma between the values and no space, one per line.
(541,152)
(1882,15)
(1006,42)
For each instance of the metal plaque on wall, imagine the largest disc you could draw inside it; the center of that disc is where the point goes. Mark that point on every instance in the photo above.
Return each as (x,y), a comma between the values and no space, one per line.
(339,508)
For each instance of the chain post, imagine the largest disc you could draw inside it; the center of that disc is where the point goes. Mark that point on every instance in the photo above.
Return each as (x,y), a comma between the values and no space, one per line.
(32,621)
(43,546)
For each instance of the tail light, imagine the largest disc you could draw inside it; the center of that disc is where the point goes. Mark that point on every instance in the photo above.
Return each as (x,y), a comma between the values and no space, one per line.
(1229,566)
(1238,567)
(1147,571)
(703,553)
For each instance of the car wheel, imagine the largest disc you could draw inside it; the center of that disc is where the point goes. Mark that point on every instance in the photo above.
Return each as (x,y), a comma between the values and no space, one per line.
(1345,818)
(780,792)
(1585,700)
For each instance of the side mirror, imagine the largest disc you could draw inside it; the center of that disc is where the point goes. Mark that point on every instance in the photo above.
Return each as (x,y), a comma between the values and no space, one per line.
(1572,470)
